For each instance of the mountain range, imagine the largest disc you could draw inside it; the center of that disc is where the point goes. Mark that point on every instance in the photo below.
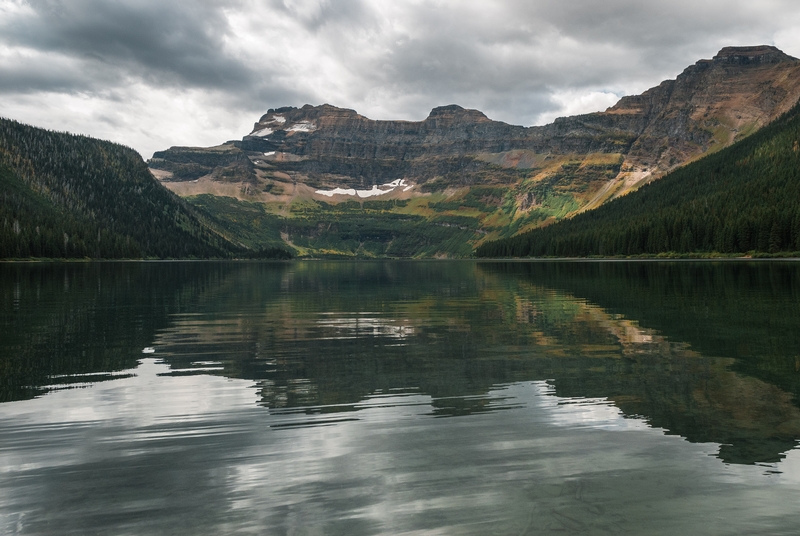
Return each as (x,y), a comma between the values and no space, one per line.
(326,181)
(321,179)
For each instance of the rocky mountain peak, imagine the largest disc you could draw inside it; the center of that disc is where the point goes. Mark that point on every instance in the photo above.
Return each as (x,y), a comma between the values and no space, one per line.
(306,119)
(326,110)
(456,112)
(762,54)
(454,115)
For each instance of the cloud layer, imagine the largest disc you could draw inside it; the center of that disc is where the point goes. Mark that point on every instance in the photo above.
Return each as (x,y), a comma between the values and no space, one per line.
(152,74)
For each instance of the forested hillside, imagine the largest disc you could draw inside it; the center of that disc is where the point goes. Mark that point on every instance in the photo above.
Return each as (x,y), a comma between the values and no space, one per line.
(745,198)
(67,196)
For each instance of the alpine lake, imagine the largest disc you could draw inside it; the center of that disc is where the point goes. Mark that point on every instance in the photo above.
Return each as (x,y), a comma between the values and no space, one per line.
(400,397)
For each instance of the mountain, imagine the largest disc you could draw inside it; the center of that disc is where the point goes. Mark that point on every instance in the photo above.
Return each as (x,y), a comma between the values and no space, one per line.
(327,180)
(743,199)
(65,196)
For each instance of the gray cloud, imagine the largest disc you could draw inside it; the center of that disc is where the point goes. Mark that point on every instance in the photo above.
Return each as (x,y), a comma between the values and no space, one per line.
(315,15)
(152,73)
(163,41)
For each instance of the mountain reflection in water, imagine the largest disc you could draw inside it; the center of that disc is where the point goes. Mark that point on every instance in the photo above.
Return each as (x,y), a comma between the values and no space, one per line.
(399,397)
(707,351)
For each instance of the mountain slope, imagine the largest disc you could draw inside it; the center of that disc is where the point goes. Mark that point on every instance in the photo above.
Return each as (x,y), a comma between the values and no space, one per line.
(745,198)
(64,196)
(495,179)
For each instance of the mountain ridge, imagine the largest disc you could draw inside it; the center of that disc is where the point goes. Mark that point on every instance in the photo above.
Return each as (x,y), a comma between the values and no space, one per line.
(459,165)
(673,122)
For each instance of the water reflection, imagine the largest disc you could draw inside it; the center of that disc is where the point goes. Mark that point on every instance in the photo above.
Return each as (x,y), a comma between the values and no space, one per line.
(363,324)
(193,455)
(293,397)
(704,351)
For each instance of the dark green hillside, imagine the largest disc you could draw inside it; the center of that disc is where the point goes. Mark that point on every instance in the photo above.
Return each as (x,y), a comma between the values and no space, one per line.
(351,230)
(67,196)
(745,198)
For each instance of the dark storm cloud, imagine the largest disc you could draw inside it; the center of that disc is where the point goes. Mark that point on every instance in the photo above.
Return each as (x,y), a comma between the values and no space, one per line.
(524,53)
(20,75)
(163,42)
(661,34)
(580,42)
(451,48)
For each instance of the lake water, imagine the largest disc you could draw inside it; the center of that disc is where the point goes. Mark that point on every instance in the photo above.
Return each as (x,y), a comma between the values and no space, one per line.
(400,398)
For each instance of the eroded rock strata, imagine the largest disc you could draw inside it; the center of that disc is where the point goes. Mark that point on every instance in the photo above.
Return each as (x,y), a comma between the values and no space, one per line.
(325,153)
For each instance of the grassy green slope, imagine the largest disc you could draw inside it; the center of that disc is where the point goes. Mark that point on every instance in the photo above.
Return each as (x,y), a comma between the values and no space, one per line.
(370,230)
(67,196)
(745,198)
(448,215)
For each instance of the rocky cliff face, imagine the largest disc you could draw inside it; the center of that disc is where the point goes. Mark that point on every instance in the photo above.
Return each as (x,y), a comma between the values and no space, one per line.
(333,154)
(327,131)
(711,104)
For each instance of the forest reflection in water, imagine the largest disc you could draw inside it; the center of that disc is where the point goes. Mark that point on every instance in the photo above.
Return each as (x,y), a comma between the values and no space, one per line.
(708,351)
(705,351)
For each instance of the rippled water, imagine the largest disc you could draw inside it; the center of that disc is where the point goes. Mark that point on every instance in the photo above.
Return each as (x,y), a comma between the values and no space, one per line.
(400,398)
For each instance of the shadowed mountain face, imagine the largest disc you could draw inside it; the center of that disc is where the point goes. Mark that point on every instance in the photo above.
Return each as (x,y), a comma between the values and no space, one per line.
(312,157)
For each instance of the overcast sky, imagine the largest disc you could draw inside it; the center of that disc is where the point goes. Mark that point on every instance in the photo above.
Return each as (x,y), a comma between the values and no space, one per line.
(156,73)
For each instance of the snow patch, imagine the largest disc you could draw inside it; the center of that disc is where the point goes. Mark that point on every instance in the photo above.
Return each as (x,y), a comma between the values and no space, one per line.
(278,119)
(271,153)
(263,132)
(302,126)
(337,191)
(375,190)
(370,193)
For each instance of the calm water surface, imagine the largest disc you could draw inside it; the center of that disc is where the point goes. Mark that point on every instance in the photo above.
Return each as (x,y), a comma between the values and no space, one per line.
(400,398)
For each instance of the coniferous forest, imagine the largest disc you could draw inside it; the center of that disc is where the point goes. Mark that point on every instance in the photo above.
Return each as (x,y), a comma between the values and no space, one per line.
(68,196)
(743,199)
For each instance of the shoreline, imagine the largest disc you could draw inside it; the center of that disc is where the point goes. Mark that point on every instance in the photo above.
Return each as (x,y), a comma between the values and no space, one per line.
(748,258)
